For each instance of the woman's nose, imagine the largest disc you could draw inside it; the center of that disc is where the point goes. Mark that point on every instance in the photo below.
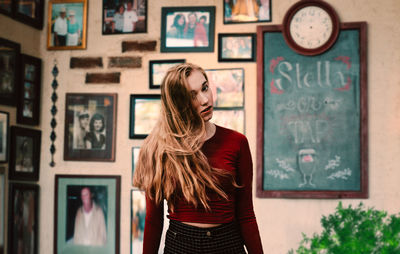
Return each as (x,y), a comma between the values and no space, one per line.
(203,99)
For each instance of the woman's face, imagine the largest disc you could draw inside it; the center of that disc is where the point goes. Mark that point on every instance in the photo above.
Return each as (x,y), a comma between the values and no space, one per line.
(98,124)
(201,94)
(121,9)
(181,20)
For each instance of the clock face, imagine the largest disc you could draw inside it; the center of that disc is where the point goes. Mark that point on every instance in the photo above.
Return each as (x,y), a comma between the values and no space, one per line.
(311,27)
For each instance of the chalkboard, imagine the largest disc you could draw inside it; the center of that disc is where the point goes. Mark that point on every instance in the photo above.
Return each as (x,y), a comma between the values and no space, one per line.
(312,121)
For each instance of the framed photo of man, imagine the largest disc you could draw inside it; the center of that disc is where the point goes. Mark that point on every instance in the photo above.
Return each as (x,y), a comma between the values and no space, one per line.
(87,209)
(9,71)
(67,24)
(4,136)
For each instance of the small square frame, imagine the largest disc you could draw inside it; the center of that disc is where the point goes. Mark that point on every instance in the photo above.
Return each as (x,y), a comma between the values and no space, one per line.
(158,69)
(236,47)
(144,113)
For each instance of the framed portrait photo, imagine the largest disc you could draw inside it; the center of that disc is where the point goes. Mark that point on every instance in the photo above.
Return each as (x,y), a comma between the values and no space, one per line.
(124,17)
(144,112)
(25,154)
(79,195)
(187,29)
(4,135)
(30,12)
(138,216)
(23,218)
(135,157)
(230,118)
(246,11)
(28,110)
(2,207)
(158,69)
(236,47)
(90,126)
(67,24)
(9,71)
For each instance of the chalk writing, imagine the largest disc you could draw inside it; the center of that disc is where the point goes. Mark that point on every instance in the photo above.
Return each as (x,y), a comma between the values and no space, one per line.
(332,164)
(343,174)
(284,165)
(278,174)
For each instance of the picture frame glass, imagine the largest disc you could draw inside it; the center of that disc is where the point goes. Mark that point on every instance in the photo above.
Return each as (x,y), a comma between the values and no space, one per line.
(246,11)
(230,118)
(138,215)
(24,154)
(145,112)
(236,47)
(158,69)
(27,8)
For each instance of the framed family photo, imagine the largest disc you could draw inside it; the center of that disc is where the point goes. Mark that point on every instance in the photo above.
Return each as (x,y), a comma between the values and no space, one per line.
(67,24)
(187,29)
(30,12)
(124,17)
(246,11)
(77,195)
(28,110)
(9,71)
(2,207)
(236,47)
(144,112)
(23,218)
(90,126)
(138,216)
(158,69)
(4,135)
(25,154)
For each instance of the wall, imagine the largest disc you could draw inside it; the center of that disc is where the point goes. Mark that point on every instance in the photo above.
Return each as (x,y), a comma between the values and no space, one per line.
(281,221)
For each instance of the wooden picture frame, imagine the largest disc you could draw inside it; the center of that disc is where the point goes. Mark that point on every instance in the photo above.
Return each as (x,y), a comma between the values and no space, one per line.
(101,194)
(234,47)
(28,109)
(135,157)
(23,218)
(312,128)
(158,69)
(2,207)
(24,154)
(84,138)
(4,135)
(9,71)
(177,37)
(113,17)
(29,12)
(138,214)
(61,14)
(144,113)
(242,11)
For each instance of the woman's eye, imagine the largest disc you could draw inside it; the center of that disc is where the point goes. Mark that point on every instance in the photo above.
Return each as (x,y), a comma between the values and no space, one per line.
(205,88)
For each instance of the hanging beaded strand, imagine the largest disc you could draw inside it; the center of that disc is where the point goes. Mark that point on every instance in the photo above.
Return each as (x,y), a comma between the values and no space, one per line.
(53,111)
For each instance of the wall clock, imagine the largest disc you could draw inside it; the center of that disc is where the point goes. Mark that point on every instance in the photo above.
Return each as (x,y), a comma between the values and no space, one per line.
(310,27)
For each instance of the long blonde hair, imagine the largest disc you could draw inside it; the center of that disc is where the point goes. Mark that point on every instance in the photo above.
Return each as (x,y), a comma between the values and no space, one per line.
(171,164)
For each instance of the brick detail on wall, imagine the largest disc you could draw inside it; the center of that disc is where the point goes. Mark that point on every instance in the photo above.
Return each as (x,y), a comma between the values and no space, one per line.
(139,46)
(125,62)
(101,78)
(85,62)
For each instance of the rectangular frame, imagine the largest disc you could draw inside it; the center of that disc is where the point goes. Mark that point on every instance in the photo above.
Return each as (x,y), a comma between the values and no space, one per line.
(138,215)
(24,204)
(309,155)
(105,190)
(235,47)
(4,135)
(7,8)
(9,71)
(29,12)
(238,11)
(84,143)
(25,154)
(138,17)
(158,69)
(28,109)
(144,113)
(67,41)
(2,207)
(177,37)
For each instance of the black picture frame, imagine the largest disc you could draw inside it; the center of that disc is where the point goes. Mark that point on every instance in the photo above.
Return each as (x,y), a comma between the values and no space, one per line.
(239,12)
(23,199)
(4,136)
(158,69)
(85,143)
(198,39)
(110,16)
(144,113)
(28,109)
(9,71)
(24,154)
(236,47)
(29,12)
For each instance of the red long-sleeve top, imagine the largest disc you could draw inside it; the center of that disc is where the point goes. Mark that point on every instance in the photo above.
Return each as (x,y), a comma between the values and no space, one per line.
(227,150)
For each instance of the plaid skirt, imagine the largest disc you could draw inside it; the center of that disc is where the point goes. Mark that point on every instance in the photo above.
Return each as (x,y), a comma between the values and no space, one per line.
(185,239)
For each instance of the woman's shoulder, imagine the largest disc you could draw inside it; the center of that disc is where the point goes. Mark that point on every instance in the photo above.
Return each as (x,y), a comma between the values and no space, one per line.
(229,134)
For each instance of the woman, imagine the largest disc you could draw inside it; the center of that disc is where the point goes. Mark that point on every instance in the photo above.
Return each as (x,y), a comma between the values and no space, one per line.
(74,31)
(95,139)
(203,171)
(178,26)
(117,25)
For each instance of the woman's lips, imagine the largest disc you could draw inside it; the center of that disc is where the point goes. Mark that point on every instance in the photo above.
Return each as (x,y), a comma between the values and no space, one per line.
(207,110)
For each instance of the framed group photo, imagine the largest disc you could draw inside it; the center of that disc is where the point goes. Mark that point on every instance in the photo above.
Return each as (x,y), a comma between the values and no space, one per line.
(4,135)
(124,17)
(144,112)
(9,71)
(187,29)
(236,47)
(67,24)
(90,126)
(158,69)
(77,194)
(246,11)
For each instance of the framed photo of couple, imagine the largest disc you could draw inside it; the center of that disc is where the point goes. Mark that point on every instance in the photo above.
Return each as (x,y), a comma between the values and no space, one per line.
(90,126)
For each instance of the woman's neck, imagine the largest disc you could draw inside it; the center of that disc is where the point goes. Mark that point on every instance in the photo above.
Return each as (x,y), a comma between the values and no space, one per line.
(210,130)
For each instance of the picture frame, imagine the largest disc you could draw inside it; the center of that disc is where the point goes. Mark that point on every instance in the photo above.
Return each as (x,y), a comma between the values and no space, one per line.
(138,215)
(2,207)
(197,36)
(230,118)
(227,86)
(24,154)
(158,69)
(101,195)
(4,135)
(242,11)
(85,138)
(312,139)
(234,47)
(135,157)
(23,218)
(9,71)
(29,12)
(6,8)
(144,113)
(113,17)
(61,14)
(28,109)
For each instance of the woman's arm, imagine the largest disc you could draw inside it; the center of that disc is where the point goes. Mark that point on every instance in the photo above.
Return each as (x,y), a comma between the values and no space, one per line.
(153,228)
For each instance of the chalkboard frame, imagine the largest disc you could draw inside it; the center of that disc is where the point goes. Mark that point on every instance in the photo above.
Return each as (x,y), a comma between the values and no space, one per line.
(363,156)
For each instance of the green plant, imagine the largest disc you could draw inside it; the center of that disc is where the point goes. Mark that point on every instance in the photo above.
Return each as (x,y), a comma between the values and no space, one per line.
(354,230)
